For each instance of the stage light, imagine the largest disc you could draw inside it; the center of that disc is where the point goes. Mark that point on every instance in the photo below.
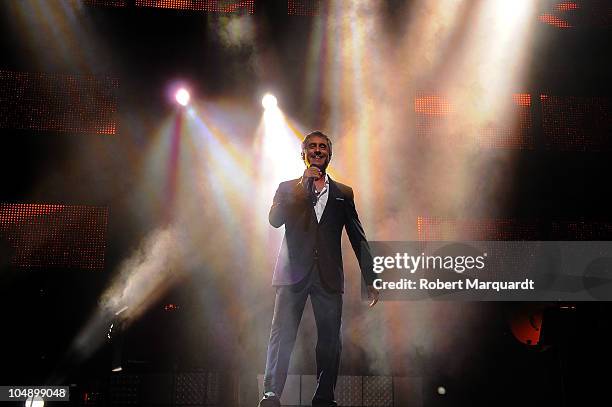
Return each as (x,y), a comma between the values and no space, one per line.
(182,97)
(121,310)
(35,402)
(441,390)
(268,101)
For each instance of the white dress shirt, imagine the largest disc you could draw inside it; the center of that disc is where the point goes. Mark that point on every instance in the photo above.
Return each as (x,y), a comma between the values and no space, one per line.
(322,199)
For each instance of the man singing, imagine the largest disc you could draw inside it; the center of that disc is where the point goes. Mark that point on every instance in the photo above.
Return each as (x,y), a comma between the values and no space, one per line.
(314,210)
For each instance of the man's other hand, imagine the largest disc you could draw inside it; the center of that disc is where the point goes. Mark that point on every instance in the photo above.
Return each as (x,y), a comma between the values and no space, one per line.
(373,296)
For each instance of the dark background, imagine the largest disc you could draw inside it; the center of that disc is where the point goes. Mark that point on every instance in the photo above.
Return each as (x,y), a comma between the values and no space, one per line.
(43,308)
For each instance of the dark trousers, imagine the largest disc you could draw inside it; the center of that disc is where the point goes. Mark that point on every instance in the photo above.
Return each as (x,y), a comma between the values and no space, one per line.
(288,309)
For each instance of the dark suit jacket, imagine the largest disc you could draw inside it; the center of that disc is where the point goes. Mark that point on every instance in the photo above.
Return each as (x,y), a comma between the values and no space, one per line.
(307,241)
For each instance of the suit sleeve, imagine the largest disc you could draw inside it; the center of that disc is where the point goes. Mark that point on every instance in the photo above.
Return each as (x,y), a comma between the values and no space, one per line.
(286,201)
(358,240)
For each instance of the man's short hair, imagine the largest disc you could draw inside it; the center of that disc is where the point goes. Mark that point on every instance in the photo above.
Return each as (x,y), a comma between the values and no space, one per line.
(320,134)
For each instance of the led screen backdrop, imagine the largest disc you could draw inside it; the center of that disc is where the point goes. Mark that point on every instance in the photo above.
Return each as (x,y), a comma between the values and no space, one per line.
(58,102)
(433,228)
(572,123)
(62,236)
(215,6)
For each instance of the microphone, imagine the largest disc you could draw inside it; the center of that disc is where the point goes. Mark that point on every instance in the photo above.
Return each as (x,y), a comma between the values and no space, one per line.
(311,190)
(310,187)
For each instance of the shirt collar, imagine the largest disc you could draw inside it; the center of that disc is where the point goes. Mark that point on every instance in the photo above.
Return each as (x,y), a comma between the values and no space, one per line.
(326,186)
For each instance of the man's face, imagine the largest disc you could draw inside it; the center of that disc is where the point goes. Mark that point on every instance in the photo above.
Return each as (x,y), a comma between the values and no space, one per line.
(317,152)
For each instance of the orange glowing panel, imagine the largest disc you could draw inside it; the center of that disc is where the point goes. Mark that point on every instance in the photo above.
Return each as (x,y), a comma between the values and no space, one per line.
(566,6)
(522,99)
(432,105)
(303,7)
(555,21)
(56,102)
(434,229)
(577,123)
(568,14)
(214,6)
(432,114)
(53,236)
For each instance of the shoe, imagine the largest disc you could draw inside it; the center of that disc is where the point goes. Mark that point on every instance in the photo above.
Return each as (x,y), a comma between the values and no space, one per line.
(322,403)
(317,403)
(269,400)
